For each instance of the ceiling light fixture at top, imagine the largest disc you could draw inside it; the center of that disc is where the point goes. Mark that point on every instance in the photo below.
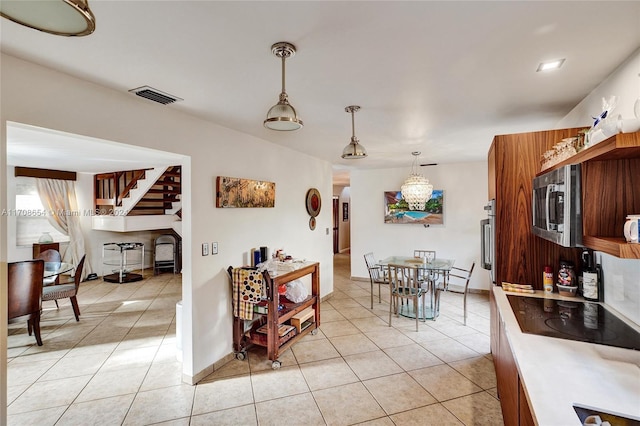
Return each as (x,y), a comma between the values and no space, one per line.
(283,116)
(550,65)
(354,150)
(416,189)
(58,17)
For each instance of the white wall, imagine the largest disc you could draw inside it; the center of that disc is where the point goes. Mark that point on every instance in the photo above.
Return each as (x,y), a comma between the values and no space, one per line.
(465,194)
(621,276)
(39,96)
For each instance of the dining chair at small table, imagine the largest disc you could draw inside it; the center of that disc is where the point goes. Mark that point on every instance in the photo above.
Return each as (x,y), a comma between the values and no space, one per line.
(376,275)
(24,292)
(63,291)
(458,277)
(404,284)
(430,255)
(52,260)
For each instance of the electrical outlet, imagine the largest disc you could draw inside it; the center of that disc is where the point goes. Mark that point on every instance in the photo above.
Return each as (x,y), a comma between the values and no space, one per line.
(205,249)
(214,248)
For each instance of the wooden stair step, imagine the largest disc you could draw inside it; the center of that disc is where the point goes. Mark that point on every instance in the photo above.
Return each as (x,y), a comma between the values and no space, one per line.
(164,191)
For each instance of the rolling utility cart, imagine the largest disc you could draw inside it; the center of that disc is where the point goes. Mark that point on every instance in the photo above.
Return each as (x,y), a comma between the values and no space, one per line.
(279,323)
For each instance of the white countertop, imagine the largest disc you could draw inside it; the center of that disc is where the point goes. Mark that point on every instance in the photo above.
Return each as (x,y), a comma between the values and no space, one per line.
(558,373)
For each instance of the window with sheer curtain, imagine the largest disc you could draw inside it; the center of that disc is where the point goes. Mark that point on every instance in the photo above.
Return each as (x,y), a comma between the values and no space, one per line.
(31,216)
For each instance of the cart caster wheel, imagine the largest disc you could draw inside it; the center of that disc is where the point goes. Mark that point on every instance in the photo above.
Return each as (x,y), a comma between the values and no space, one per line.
(241,356)
(276,364)
(314,331)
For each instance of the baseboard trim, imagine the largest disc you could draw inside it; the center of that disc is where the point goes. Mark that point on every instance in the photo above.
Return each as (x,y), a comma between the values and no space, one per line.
(193,380)
(326,297)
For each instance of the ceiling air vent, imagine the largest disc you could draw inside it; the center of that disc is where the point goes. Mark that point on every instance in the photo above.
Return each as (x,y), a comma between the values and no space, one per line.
(155,95)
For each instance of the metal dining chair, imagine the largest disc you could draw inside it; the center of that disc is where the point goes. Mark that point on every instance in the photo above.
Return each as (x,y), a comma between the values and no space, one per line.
(458,277)
(24,291)
(376,275)
(404,284)
(430,255)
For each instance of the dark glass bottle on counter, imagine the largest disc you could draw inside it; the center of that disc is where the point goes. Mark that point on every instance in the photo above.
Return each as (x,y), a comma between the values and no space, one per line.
(590,287)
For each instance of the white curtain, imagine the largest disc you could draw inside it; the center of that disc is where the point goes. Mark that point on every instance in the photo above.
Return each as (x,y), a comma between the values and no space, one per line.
(59,198)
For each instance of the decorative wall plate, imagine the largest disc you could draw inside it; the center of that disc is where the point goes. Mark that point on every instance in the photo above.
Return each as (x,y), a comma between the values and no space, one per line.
(312,223)
(314,203)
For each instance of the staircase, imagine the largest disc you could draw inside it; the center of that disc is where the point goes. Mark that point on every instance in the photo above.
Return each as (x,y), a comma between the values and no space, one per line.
(138,200)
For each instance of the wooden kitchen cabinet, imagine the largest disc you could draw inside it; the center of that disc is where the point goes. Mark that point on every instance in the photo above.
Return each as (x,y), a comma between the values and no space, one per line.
(513,399)
(610,191)
(507,379)
(514,160)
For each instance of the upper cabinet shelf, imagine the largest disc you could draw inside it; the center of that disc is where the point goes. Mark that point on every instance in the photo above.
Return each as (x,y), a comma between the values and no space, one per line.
(617,247)
(617,147)
(609,192)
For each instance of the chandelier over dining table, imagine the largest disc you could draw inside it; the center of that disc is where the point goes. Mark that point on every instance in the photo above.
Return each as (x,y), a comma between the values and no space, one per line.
(416,189)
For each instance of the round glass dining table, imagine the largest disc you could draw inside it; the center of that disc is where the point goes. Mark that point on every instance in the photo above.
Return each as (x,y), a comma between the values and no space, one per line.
(51,269)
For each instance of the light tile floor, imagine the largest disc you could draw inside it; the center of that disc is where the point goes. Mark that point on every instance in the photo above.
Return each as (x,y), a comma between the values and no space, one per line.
(118,365)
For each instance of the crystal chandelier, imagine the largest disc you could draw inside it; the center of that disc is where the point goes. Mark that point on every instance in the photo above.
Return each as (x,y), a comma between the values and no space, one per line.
(283,116)
(353,150)
(416,189)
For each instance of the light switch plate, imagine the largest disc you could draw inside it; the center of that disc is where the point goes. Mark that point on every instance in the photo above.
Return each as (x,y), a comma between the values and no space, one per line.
(214,248)
(205,249)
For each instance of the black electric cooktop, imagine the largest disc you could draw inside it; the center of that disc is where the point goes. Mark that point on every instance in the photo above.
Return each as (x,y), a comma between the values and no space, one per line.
(564,319)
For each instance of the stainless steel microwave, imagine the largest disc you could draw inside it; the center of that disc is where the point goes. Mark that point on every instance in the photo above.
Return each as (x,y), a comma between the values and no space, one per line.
(557,214)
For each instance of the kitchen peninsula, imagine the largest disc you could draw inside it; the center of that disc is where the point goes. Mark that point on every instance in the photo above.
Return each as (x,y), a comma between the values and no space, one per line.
(540,378)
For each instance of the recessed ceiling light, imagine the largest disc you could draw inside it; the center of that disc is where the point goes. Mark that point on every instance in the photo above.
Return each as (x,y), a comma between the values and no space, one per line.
(550,65)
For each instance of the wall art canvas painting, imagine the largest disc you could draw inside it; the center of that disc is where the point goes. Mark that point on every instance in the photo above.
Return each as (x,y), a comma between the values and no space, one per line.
(396,209)
(237,192)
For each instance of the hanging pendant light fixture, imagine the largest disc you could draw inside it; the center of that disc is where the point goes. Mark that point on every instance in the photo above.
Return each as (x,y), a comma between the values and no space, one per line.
(58,17)
(354,150)
(283,116)
(416,189)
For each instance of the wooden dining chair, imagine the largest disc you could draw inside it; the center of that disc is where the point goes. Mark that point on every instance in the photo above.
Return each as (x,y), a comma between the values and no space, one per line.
(459,279)
(404,284)
(52,261)
(376,275)
(63,291)
(24,294)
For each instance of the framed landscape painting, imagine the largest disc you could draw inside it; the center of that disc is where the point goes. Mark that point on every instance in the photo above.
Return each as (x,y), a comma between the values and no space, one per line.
(396,209)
